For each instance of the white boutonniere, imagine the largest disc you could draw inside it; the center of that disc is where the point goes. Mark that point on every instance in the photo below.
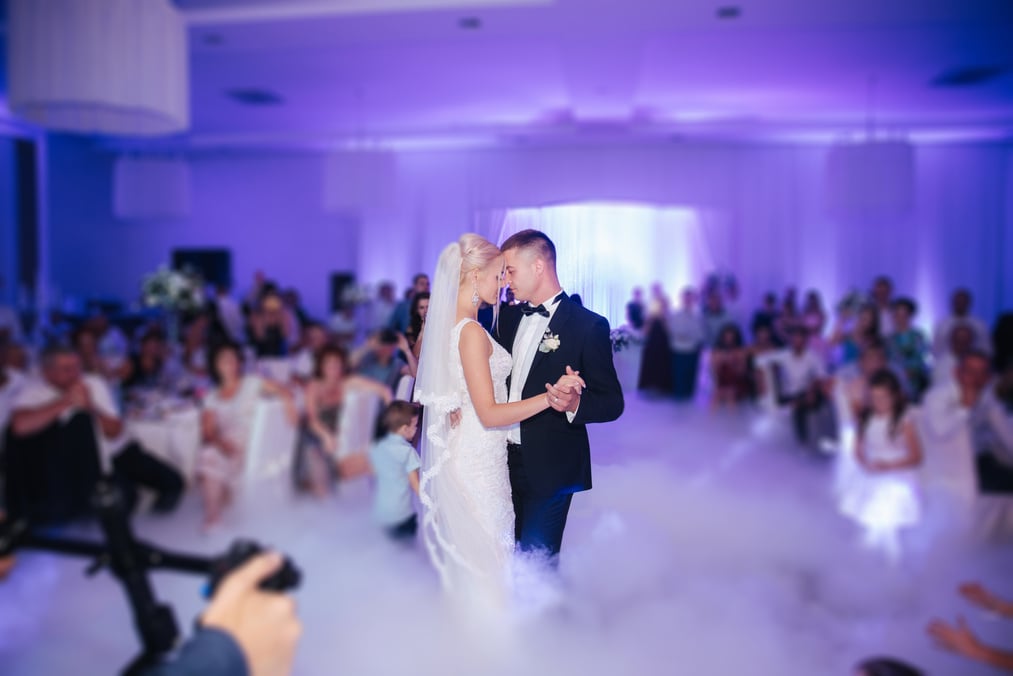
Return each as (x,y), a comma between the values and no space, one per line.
(550,342)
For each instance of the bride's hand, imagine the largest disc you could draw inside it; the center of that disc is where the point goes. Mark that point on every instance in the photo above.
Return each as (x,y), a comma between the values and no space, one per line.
(571,379)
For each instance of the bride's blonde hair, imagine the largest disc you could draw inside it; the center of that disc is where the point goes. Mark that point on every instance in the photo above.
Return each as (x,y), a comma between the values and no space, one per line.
(476,253)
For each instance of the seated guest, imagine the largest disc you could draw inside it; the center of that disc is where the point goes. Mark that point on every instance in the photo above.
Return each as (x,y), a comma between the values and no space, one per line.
(909,348)
(60,426)
(854,378)
(396,467)
(686,335)
(635,310)
(803,387)
(316,464)
(763,343)
(960,315)
(11,382)
(314,338)
(730,367)
(883,498)
(92,362)
(17,359)
(966,409)
(417,327)
(814,317)
(961,342)
(789,317)
(344,326)
(385,358)
(881,299)
(273,329)
(851,336)
(382,308)
(766,317)
(191,358)
(147,369)
(401,317)
(112,343)
(226,425)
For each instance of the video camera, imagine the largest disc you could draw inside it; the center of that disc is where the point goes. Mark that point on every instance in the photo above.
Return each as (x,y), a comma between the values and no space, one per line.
(129,560)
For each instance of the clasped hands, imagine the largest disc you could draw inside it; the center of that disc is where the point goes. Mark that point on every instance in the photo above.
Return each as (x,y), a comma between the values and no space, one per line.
(564,396)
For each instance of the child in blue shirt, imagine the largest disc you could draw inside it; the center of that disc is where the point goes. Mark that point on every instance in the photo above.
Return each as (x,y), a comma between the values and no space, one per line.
(396,467)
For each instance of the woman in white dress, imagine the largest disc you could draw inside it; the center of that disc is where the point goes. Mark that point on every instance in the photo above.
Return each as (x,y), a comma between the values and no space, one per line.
(467,512)
(226,424)
(884,498)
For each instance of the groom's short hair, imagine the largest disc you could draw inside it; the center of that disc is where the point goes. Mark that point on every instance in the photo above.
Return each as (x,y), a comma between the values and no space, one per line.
(532,240)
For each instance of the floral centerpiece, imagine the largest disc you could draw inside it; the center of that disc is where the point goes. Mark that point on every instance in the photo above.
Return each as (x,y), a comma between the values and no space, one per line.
(622,338)
(173,290)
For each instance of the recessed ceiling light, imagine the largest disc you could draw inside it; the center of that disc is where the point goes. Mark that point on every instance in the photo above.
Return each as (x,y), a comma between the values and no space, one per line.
(729,12)
(470,23)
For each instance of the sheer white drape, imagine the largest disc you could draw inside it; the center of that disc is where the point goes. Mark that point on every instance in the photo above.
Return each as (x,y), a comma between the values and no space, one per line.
(606,249)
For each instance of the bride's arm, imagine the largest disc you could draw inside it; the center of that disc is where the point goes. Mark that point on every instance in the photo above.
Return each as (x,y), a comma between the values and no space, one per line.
(475,352)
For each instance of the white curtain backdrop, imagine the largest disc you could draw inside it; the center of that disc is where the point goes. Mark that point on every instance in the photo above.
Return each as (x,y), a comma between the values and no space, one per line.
(604,250)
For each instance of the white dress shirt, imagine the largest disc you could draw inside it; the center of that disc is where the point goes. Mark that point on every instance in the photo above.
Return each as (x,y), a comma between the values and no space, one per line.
(529,336)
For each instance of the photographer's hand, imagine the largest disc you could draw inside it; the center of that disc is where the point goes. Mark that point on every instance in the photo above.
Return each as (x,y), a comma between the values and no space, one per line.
(264,624)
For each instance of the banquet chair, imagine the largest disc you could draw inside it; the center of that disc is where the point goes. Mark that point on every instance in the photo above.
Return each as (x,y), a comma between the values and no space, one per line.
(405,387)
(356,431)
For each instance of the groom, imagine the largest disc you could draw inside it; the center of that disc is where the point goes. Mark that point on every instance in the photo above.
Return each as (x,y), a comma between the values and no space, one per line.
(548,454)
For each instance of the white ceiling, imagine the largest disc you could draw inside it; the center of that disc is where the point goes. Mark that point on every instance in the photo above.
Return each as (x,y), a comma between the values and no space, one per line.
(362,71)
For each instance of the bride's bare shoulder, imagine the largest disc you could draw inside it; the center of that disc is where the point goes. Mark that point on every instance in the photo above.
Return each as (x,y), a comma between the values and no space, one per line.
(474,337)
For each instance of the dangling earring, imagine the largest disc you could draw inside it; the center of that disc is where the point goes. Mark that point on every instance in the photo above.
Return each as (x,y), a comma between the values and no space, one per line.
(475,299)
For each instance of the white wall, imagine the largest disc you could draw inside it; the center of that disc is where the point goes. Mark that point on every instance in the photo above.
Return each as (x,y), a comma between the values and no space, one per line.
(770,222)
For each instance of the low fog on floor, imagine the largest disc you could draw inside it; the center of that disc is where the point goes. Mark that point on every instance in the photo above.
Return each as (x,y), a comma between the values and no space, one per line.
(708,545)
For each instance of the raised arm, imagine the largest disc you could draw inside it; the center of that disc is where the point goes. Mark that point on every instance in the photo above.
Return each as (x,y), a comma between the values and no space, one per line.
(475,350)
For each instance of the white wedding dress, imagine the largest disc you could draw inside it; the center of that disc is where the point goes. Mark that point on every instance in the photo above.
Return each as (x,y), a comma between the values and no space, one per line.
(468,516)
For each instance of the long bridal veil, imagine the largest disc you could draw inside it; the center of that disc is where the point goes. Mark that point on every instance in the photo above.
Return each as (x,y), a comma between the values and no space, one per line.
(451,535)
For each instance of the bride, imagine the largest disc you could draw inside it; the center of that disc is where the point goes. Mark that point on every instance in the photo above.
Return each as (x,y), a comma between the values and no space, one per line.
(467,512)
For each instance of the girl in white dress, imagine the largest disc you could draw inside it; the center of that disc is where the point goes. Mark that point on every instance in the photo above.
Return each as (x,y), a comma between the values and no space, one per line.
(885,497)
(467,511)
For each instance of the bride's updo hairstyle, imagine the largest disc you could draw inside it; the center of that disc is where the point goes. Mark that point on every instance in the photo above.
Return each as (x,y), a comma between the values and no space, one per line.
(476,253)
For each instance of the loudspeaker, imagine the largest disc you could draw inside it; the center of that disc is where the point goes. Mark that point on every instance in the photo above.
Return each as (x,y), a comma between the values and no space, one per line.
(214,265)
(341,284)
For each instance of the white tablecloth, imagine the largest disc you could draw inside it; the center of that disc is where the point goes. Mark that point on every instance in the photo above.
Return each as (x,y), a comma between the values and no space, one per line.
(174,438)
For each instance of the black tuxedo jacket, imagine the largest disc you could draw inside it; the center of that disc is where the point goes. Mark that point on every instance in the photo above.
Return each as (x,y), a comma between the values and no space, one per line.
(555,452)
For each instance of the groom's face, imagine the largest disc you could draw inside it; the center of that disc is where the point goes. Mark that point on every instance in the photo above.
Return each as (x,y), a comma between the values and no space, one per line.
(521,273)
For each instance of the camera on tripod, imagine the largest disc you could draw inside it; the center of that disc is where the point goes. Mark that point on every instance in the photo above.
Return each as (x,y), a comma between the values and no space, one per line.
(129,560)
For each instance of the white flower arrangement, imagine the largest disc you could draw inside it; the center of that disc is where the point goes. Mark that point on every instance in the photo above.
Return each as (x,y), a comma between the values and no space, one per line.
(550,342)
(621,338)
(173,290)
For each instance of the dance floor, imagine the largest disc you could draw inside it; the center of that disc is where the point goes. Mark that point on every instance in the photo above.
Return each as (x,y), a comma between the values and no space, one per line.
(709,546)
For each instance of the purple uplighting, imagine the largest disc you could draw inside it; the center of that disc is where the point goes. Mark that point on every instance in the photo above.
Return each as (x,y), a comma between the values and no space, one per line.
(769,310)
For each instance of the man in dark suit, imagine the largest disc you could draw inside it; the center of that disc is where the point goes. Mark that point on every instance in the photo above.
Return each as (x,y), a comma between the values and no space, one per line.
(547,333)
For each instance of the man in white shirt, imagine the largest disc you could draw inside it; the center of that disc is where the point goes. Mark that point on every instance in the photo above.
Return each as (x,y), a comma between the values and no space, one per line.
(965,410)
(687,334)
(801,382)
(65,432)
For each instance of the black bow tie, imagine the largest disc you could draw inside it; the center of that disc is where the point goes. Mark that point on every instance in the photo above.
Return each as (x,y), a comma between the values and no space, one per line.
(528,309)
